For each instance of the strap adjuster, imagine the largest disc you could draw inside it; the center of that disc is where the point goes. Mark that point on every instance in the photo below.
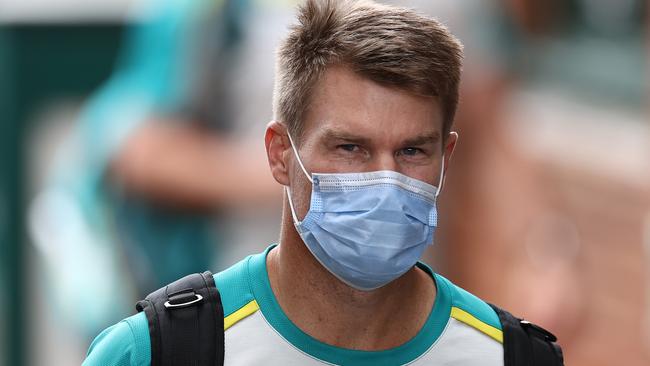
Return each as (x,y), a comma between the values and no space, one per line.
(182,299)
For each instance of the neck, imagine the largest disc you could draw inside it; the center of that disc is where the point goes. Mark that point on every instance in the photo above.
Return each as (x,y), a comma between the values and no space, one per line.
(334,313)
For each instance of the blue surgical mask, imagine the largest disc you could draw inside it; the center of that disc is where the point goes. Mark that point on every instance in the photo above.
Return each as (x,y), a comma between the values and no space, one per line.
(367,229)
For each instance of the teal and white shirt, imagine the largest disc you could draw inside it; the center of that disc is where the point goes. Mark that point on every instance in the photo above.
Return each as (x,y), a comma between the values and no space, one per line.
(461,330)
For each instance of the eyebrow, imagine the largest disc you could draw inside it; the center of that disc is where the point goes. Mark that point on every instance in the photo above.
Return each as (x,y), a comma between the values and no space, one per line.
(428,138)
(331,134)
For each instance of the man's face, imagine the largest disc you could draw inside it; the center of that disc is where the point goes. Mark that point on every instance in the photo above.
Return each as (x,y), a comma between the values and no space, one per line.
(356,125)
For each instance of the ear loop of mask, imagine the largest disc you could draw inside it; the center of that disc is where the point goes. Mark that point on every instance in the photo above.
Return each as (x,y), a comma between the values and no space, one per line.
(296,222)
(442,169)
(442,176)
(295,151)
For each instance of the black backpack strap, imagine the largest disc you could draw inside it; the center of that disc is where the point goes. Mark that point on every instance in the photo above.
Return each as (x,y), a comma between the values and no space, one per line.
(185,322)
(527,344)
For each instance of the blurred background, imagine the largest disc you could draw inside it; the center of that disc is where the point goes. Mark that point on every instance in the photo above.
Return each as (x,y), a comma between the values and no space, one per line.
(131,137)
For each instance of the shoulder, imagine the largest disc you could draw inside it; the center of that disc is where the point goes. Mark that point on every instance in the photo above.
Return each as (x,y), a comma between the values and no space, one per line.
(472,311)
(125,343)
(237,297)
(128,342)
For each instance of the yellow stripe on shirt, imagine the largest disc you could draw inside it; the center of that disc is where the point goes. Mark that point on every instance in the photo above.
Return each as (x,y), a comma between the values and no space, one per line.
(467,318)
(240,314)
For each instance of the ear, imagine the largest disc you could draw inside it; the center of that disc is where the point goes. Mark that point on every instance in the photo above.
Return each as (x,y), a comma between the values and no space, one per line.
(450,146)
(277,144)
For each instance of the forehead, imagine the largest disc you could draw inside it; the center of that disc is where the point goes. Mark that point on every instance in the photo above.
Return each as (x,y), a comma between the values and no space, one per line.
(352,104)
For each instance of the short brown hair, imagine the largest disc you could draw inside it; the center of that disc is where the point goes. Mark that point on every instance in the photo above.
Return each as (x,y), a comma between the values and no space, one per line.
(389,45)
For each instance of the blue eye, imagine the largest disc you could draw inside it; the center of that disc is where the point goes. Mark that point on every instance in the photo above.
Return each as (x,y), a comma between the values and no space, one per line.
(349,147)
(410,151)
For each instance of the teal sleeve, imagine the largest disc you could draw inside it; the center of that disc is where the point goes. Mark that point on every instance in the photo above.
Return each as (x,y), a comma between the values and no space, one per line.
(124,344)
(472,304)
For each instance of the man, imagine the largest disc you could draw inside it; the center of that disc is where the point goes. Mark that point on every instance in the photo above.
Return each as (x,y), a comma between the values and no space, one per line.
(364,102)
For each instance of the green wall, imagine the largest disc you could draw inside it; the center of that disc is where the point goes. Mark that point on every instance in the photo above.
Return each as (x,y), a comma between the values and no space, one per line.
(38,62)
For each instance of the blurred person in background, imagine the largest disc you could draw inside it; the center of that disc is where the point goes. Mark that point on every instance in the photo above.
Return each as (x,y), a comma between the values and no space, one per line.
(138,191)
